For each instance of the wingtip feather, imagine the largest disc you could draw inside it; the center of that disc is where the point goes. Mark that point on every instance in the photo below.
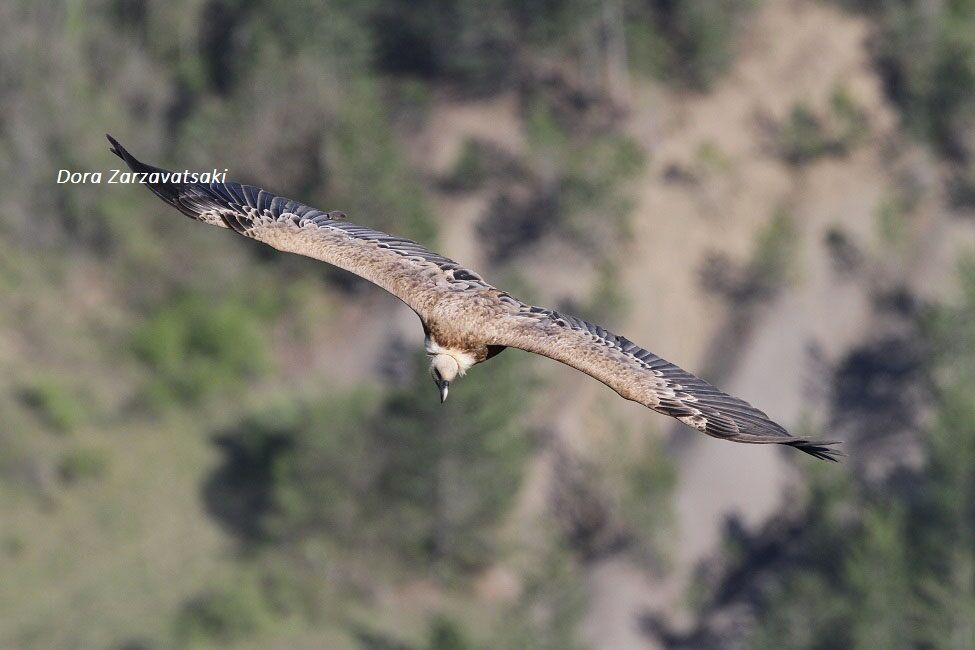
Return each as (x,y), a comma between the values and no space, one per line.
(168,192)
(818,448)
(122,153)
(116,148)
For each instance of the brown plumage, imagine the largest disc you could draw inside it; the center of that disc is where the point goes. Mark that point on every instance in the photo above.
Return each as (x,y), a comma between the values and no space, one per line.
(466,320)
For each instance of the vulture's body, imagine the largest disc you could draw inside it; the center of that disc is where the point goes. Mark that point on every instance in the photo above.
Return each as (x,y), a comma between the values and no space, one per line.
(465,319)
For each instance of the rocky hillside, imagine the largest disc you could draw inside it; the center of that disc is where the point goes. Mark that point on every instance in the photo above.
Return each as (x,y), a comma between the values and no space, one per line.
(206,444)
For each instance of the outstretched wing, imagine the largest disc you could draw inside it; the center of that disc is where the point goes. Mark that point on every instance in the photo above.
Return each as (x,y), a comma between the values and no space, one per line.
(643,377)
(415,275)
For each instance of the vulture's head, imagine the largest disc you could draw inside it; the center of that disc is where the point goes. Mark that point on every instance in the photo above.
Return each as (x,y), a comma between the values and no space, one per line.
(444,368)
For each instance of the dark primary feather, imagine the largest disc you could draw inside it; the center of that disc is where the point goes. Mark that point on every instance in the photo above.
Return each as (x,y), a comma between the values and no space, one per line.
(166,192)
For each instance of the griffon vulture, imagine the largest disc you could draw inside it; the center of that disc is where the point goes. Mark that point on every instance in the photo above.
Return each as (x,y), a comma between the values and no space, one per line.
(466,320)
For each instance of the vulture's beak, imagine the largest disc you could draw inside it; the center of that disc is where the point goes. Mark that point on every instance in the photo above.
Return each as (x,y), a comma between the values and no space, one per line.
(443,386)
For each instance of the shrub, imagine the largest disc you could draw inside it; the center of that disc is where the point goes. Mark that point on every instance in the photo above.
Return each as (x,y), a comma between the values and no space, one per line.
(447,634)
(774,264)
(704,33)
(83,464)
(927,54)
(55,404)
(806,136)
(893,225)
(369,177)
(448,472)
(223,614)
(580,174)
(687,42)
(469,170)
(774,259)
(324,470)
(547,615)
(465,41)
(802,137)
(195,349)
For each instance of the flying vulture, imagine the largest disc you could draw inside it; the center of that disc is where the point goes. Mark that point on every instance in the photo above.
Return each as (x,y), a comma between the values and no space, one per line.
(466,320)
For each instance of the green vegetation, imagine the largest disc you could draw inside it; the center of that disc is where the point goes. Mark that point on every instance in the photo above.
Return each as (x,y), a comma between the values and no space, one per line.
(710,159)
(195,349)
(83,464)
(370,177)
(580,174)
(774,264)
(553,599)
(929,56)
(806,135)
(445,634)
(802,138)
(642,490)
(401,473)
(478,46)
(894,225)
(774,258)
(56,405)
(690,43)
(926,55)
(231,613)
(703,36)
(470,169)
(619,497)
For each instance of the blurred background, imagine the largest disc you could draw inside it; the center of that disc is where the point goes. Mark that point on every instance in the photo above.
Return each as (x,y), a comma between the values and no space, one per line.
(205,443)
